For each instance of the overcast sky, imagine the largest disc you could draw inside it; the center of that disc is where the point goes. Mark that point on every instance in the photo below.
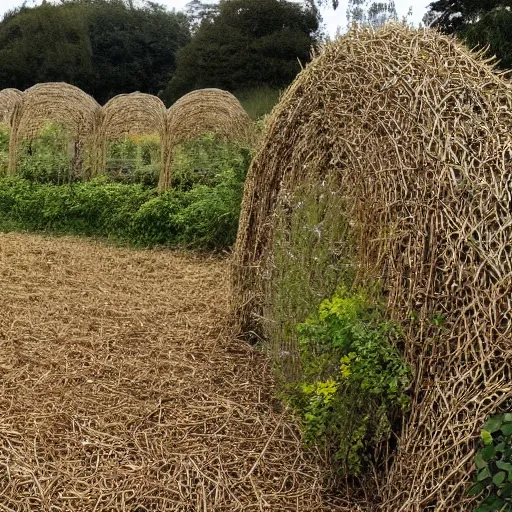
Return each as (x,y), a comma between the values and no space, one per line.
(332,19)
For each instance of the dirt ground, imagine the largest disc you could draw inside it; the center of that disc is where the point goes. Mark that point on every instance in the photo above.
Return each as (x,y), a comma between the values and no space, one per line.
(121,389)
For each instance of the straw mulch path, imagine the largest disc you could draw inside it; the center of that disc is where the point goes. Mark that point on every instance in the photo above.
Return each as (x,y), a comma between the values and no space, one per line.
(120,389)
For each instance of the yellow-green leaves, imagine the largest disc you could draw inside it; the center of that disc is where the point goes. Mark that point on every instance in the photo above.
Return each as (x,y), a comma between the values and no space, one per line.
(355,380)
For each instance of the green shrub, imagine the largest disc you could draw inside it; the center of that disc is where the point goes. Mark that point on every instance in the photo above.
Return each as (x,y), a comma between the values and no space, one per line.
(134,159)
(493,463)
(46,159)
(353,391)
(203,217)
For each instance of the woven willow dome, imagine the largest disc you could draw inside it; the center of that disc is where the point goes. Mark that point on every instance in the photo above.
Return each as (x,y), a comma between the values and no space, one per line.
(135,114)
(58,103)
(401,143)
(199,112)
(8,101)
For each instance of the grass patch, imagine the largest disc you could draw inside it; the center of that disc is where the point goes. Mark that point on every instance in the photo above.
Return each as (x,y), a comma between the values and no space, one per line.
(258,102)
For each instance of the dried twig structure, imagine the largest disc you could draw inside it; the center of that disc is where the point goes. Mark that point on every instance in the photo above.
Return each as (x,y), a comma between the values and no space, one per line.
(8,100)
(136,114)
(62,104)
(405,138)
(199,112)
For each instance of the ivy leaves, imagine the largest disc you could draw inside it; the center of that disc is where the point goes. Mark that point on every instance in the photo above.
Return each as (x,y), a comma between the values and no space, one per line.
(493,463)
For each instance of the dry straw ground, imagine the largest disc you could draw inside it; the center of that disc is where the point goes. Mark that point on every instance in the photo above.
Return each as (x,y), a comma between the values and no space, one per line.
(199,112)
(405,138)
(120,390)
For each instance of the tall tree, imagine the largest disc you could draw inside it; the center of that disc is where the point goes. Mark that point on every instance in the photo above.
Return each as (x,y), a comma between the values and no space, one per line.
(198,11)
(493,29)
(247,43)
(452,16)
(481,23)
(44,44)
(105,47)
(369,12)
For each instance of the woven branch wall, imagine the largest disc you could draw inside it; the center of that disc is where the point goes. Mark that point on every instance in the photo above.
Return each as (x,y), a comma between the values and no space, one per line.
(8,100)
(136,114)
(201,111)
(59,103)
(404,137)
(91,126)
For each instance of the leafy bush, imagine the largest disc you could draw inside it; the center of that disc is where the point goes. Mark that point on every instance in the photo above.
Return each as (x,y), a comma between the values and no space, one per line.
(134,159)
(354,386)
(46,159)
(493,463)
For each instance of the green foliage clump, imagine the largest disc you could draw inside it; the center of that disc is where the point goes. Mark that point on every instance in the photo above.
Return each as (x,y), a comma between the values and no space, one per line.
(46,159)
(202,217)
(493,463)
(203,214)
(353,391)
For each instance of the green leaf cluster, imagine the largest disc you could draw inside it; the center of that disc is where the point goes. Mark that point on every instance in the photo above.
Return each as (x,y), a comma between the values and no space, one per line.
(493,463)
(355,380)
(204,214)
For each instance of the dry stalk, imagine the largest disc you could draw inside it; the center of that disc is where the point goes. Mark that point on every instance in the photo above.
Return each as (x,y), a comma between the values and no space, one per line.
(121,389)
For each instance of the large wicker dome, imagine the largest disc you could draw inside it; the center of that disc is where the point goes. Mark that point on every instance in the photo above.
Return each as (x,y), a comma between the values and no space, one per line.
(400,142)
(199,112)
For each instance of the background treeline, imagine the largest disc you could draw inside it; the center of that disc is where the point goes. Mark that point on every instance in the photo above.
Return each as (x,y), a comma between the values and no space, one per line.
(108,47)
(105,47)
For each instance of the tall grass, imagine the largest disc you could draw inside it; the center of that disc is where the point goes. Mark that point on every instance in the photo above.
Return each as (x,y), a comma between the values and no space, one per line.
(4,149)
(259,101)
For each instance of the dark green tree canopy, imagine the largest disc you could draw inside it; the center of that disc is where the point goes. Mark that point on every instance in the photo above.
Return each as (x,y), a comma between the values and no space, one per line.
(453,15)
(105,47)
(480,23)
(245,44)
